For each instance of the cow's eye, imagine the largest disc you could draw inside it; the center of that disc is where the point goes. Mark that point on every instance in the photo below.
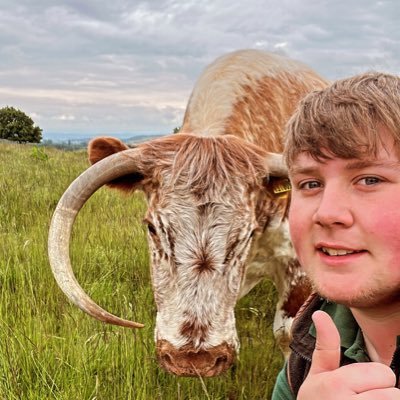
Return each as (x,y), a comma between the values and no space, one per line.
(152,229)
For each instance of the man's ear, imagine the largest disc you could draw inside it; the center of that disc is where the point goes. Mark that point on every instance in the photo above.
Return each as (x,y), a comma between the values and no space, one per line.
(102,147)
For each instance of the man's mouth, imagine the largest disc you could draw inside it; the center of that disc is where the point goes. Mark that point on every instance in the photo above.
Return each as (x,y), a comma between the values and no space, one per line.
(338,252)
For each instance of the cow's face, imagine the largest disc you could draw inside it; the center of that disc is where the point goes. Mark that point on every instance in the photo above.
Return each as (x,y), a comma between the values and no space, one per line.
(198,251)
(206,202)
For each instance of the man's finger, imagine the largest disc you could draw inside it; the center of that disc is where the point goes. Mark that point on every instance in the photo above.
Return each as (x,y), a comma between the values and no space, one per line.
(390,393)
(370,376)
(326,356)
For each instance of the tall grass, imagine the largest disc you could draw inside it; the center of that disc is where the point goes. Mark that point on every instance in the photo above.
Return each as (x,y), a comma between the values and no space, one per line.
(49,349)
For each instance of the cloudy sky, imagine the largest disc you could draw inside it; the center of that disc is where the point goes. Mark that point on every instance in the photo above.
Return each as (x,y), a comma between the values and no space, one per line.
(91,67)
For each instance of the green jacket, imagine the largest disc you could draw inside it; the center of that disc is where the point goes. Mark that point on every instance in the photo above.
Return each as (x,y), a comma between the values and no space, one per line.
(353,347)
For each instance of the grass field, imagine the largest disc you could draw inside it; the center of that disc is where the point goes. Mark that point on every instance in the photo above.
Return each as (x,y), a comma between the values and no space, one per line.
(50,349)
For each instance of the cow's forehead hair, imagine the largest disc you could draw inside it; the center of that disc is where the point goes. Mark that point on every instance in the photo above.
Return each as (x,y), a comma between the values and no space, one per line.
(226,212)
(197,164)
(207,205)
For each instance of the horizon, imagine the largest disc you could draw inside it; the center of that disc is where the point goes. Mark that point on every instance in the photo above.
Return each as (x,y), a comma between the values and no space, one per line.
(77,136)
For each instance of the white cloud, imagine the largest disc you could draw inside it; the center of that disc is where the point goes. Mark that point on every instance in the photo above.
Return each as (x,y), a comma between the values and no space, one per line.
(130,66)
(66,117)
(35,116)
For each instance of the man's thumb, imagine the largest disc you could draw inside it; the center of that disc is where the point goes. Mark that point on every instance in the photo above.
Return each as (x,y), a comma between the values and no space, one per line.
(326,356)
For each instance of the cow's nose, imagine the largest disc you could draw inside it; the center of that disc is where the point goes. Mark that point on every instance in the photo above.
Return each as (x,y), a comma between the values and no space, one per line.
(187,361)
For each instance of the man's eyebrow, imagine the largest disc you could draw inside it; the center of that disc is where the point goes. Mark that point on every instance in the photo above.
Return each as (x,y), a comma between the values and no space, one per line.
(306,170)
(351,165)
(360,164)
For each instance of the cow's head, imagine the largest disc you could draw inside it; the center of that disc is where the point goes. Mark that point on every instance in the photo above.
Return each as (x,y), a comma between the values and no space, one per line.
(208,198)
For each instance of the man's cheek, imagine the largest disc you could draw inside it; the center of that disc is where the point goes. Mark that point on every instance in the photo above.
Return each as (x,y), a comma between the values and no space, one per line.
(296,229)
(387,232)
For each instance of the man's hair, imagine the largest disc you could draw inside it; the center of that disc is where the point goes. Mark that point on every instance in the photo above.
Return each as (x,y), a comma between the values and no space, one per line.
(346,119)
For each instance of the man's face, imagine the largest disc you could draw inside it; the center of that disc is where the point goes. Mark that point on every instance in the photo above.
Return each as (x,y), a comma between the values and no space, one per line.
(345,226)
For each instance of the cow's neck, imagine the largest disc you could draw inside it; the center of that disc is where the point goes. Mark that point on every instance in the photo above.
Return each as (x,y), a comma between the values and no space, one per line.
(270,258)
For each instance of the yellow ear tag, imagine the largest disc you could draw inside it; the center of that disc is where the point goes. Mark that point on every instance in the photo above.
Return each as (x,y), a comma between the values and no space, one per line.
(281,187)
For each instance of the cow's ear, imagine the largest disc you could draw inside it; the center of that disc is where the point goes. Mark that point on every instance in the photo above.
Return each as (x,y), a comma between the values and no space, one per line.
(278,186)
(277,181)
(102,147)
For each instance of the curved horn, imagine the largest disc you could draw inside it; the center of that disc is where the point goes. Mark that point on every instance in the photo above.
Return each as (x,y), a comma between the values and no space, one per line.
(276,165)
(71,202)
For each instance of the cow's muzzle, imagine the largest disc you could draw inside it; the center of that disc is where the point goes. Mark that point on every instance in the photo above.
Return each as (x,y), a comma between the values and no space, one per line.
(188,361)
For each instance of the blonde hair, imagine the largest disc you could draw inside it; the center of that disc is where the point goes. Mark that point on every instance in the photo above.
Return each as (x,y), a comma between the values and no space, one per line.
(346,119)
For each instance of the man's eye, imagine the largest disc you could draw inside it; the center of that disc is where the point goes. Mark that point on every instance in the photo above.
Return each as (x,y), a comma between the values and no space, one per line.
(369,180)
(309,185)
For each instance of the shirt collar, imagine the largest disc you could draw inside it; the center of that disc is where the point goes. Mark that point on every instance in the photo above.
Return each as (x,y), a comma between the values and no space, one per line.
(351,337)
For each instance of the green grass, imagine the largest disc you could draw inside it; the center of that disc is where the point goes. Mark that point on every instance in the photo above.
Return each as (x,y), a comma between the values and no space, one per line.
(49,349)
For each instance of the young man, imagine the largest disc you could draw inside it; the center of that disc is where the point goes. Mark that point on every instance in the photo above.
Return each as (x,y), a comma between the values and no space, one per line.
(343,153)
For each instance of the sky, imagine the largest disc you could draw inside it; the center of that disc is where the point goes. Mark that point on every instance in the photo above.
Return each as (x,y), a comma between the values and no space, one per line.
(116,67)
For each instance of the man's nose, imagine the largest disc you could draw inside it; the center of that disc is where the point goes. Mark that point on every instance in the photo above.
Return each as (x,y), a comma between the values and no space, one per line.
(334,208)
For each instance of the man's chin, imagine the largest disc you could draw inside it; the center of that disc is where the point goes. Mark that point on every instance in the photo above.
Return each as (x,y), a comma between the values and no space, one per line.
(358,298)
(339,295)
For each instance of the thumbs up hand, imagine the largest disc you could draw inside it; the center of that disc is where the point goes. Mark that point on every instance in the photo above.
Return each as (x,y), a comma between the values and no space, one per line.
(327,380)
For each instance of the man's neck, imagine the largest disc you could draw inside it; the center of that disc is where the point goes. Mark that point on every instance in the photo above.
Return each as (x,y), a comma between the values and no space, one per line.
(380,327)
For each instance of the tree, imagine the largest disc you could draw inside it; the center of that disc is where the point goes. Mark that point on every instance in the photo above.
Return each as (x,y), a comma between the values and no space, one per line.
(17,126)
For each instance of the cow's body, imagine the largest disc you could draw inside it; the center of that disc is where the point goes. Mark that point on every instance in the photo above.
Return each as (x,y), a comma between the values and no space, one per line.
(216,228)
(251,94)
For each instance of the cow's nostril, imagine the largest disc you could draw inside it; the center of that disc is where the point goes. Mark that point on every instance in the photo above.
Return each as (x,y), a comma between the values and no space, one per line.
(221,361)
(167,358)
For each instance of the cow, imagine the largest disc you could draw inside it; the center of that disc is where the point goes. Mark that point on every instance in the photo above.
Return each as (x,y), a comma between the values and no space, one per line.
(217,194)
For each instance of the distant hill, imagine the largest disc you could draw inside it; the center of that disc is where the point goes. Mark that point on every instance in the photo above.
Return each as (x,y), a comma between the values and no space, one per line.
(73,142)
(140,138)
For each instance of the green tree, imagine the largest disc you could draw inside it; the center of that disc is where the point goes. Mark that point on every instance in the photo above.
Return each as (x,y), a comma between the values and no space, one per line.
(17,126)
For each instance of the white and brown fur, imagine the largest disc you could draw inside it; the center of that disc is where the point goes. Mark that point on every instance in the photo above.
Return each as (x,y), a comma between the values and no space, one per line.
(215,227)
